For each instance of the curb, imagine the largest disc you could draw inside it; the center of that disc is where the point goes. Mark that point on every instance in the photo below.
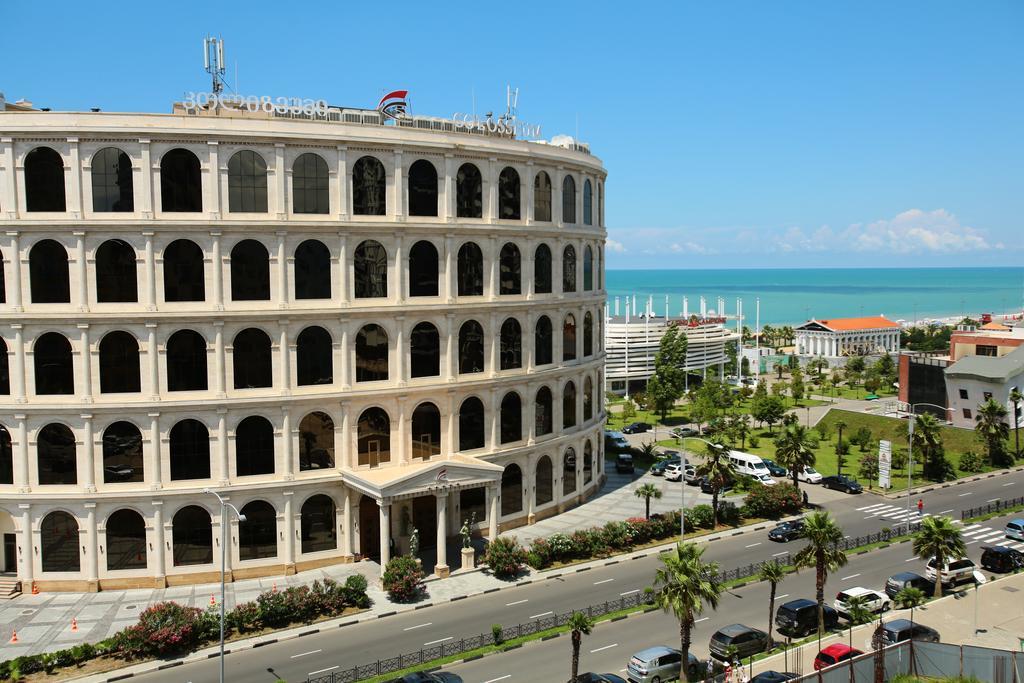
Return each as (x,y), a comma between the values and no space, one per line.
(948,484)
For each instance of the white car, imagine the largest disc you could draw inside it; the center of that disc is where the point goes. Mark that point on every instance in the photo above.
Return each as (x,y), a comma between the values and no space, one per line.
(953,572)
(766,480)
(875,601)
(674,472)
(809,475)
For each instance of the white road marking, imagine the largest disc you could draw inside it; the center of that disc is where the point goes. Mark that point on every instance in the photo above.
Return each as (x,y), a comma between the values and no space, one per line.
(784,595)
(851,576)
(606,647)
(965,494)
(753,545)
(701,619)
(1011,483)
(303,654)
(517,602)
(500,678)
(993,500)
(413,628)
(435,642)
(542,614)
(782,553)
(871,507)
(971,526)
(944,512)
(972,542)
(598,583)
(321,671)
(910,559)
(635,590)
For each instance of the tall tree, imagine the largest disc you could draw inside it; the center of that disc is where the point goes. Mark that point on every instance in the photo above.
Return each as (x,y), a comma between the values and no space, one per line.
(840,426)
(909,598)
(719,470)
(796,384)
(647,491)
(821,552)
(685,585)
(928,442)
(1016,397)
(990,426)
(580,625)
(668,383)
(940,539)
(793,451)
(773,573)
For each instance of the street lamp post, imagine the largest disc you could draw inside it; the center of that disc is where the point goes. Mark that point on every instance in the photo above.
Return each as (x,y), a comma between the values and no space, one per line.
(224,536)
(682,481)
(910,448)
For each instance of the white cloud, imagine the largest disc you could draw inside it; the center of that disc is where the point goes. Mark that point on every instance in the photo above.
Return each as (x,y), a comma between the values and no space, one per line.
(612,245)
(690,248)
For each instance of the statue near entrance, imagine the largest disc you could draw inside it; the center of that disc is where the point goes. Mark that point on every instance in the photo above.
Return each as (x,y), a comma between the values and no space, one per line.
(414,542)
(467,530)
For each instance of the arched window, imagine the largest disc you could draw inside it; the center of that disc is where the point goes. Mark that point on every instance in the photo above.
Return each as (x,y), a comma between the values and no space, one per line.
(510,270)
(371,354)
(600,203)
(568,200)
(250,272)
(192,536)
(116,276)
(374,437)
(471,270)
(126,540)
(423,268)
(511,418)
(186,361)
(569,472)
(588,399)
(58,543)
(119,364)
(543,412)
(310,180)
(5,370)
(370,264)
(588,334)
(312,270)
(189,450)
(122,453)
(544,481)
(542,197)
(426,431)
(44,180)
(600,268)
(3,284)
(469,192)
(588,463)
(254,446)
(471,347)
(542,340)
(112,181)
(257,535)
(471,424)
(569,338)
(424,351)
(588,269)
(6,457)
(251,358)
(542,270)
(56,456)
(181,186)
(511,345)
(48,273)
(508,195)
(314,357)
(247,182)
(54,371)
(317,524)
(588,203)
(511,490)
(569,269)
(369,187)
(316,442)
(569,405)
(422,189)
(184,277)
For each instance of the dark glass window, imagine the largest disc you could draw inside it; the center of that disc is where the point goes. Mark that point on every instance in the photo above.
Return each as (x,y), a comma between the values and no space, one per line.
(48,273)
(254,446)
(422,189)
(189,450)
(588,462)
(511,490)
(316,442)
(181,186)
(510,270)
(569,472)
(126,540)
(542,270)
(600,203)
(374,437)
(192,536)
(370,263)
(57,458)
(116,274)
(588,399)
(588,334)
(568,200)
(471,424)
(569,269)
(545,485)
(542,197)
(317,524)
(543,338)
(312,270)
(310,180)
(471,347)
(508,194)
(3,283)
(423,268)
(44,180)
(588,269)
(471,270)
(5,370)
(511,418)
(588,203)
(369,188)
(425,351)
(122,453)
(54,371)
(371,354)
(184,276)
(469,192)
(314,357)
(511,345)
(6,457)
(426,431)
(119,363)
(257,535)
(186,361)
(250,272)
(543,412)
(247,182)
(569,338)
(569,406)
(252,359)
(112,181)
(58,543)
(473,504)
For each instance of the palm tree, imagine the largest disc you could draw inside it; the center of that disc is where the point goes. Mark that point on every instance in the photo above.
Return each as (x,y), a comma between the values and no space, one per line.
(991,427)
(840,426)
(773,573)
(793,451)
(938,538)
(740,429)
(1015,398)
(647,491)
(719,470)
(928,441)
(910,597)
(685,585)
(821,552)
(649,451)
(581,625)
(857,610)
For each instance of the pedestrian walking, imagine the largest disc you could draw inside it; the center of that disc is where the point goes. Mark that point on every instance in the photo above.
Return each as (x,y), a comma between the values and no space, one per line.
(920,507)
(805,498)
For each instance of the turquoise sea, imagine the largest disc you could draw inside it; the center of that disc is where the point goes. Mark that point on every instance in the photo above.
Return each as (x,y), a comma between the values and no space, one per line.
(790,296)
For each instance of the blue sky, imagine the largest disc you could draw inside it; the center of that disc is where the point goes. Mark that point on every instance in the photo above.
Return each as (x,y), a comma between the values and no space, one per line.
(735,133)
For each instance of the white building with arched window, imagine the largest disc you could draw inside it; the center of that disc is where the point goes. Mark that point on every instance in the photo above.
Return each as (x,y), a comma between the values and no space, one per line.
(838,337)
(348,329)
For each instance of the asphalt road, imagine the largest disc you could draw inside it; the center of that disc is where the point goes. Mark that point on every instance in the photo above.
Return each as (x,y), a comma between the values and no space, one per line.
(409,631)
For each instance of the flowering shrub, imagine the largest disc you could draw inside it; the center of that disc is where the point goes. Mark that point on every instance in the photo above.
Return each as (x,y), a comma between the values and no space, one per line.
(700,517)
(165,628)
(505,557)
(243,618)
(403,578)
(772,502)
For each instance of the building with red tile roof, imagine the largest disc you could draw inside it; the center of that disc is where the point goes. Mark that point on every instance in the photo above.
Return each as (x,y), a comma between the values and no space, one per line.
(837,337)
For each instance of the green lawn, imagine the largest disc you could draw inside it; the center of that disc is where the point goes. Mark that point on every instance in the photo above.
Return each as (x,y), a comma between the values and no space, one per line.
(678,415)
(856,393)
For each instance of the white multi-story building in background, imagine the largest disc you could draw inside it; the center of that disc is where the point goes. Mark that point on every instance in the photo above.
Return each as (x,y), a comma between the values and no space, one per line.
(838,337)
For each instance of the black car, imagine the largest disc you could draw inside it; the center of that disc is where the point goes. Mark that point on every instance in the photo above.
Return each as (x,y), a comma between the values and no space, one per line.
(800,617)
(787,531)
(737,640)
(1000,559)
(424,677)
(841,482)
(636,428)
(898,630)
(774,468)
(624,463)
(590,677)
(658,468)
(898,582)
(774,677)
(705,486)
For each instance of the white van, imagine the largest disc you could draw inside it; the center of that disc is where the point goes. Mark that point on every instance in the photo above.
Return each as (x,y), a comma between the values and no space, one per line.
(750,465)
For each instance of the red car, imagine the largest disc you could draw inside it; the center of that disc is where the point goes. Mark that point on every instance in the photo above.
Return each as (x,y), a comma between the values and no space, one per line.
(833,654)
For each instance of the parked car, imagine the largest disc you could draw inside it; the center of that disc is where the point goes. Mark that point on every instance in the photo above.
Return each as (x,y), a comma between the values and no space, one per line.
(616,440)
(745,463)
(705,486)
(833,654)
(800,617)
(841,482)
(674,472)
(737,640)
(690,475)
(774,677)
(659,663)
(1015,529)
(1001,559)
(898,582)
(425,677)
(636,428)
(809,475)
(683,432)
(952,572)
(624,463)
(658,468)
(599,678)
(766,480)
(775,469)
(898,630)
(874,601)
(787,531)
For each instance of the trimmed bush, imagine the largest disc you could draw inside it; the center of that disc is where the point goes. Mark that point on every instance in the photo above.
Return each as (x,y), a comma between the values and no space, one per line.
(700,517)
(970,462)
(505,557)
(403,579)
(729,514)
(772,502)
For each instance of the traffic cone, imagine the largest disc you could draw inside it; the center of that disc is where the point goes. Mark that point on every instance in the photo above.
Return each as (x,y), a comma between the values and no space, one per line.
(212,601)
(35,588)
(14,637)
(74,624)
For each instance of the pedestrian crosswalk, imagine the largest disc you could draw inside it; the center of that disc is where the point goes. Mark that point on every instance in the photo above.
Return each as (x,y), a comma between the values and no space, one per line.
(972,533)
(895,513)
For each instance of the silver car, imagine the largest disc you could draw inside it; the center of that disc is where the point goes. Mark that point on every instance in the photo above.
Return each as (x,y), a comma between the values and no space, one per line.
(657,664)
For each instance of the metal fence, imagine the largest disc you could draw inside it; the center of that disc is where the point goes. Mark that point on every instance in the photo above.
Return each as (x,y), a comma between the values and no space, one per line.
(991,507)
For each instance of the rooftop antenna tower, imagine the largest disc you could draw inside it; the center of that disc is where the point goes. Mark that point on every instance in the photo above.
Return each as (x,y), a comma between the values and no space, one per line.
(213,61)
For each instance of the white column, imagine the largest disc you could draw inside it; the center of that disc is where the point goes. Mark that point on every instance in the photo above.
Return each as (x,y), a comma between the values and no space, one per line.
(74,176)
(27,555)
(343,270)
(88,466)
(154,467)
(278,185)
(345,198)
(491,363)
(92,546)
(145,175)
(218,272)
(385,534)
(282,270)
(21,456)
(441,562)
(153,360)
(346,357)
(19,364)
(219,359)
(403,449)
(86,363)
(212,182)
(492,277)
(8,188)
(448,196)
(150,271)
(527,185)
(287,466)
(285,359)
(289,532)
(159,564)
(345,452)
(346,540)
(81,271)
(399,294)
(399,185)
(492,513)
(222,446)
(449,433)
(449,268)
(15,283)
(495,422)
(451,367)
(400,346)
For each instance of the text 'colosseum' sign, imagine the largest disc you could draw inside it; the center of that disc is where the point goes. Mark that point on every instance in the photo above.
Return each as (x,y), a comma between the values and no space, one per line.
(253,103)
